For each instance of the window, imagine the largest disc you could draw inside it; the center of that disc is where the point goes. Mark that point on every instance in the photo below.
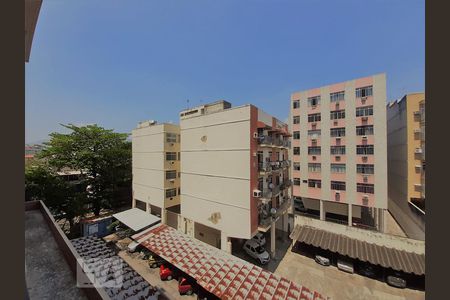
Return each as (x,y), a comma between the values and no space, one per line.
(335,132)
(338,185)
(365,188)
(314,134)
(171,193)
(364,130)
(364,111)
(296,181)
(296,120)
(179,155)
(296,150)
(314,150)
(339,96)
(337,168)
(337,150)
(337,114)
(315,183)
(364,169)
(314,167)
(364,149)
(171,137)
(314,101)
(171,174)
(296,104)
(364,91)
(314,118)
(296,166)
(296,135)
(171,156)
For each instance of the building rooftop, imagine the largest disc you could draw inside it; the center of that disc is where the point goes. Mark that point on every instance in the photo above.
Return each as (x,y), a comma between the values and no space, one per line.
(225,275)
(47,273)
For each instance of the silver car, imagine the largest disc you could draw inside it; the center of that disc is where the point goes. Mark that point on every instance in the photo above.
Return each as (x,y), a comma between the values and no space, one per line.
(321,260)
(256,251)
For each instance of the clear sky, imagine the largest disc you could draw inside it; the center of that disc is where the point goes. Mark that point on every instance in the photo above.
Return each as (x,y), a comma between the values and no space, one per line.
(116,63)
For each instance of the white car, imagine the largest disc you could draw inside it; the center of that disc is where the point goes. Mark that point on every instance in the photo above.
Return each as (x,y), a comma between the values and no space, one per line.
(345,265)
(256,251)
(259,238)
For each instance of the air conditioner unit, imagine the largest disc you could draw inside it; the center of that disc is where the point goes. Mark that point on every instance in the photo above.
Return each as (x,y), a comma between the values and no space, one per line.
(365,199)
(364,137)
(417,113)
(256,193)
(364,98)
(335,123)
(365,119)
(418,150)
(172,180)
(365,178)
(338,138)
(417,131)
(364,158)
(338,158)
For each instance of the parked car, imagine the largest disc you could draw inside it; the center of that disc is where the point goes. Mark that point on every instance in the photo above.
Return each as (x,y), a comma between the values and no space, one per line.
(256,251)
(345,265)
(259,238)
(154,261)
(166,272)
(396,279)
(367,270)
(133,246)
(322,260)
(186,286)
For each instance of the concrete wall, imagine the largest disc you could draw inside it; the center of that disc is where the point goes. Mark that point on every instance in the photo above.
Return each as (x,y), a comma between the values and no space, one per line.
(215,186)
(149,147)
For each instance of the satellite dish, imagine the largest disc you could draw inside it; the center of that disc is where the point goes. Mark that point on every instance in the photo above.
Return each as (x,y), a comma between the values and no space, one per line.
(273,211)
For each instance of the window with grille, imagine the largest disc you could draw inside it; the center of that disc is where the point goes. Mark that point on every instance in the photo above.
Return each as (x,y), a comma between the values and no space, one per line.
(364,149)
(171,193)
(171,156)
(337,114)
(337,168)
(314,150)
(296,104)
(339,96)
(365,188)
(315,183)
(337,150)
(296,150)
(337,132)
(296,119)
(364,91)
(364,169)
(171,137)
(364,130)
(338,185)
(314,101)
(314,118)
(364,111)
(171,174)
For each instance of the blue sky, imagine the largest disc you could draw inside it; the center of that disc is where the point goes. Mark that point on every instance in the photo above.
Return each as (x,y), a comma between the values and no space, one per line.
(116,63)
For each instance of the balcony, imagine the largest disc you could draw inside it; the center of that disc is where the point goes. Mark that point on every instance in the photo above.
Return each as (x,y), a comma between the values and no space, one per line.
(269,141)
(270,166)
(266,217)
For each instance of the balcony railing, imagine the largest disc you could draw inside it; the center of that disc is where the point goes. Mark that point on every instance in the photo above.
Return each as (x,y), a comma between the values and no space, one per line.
(266,218)
(269,166)
(271,141)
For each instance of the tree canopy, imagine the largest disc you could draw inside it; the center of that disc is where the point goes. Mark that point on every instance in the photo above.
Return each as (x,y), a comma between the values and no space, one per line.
(101,155)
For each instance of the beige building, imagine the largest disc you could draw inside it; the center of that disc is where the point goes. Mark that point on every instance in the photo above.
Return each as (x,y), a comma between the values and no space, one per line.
(406,162)
(339,168)
(156,168)
(235,175)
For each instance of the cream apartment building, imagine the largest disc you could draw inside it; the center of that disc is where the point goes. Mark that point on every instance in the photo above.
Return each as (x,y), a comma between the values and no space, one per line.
(235,173)
(406,162)
(156,168)
(339,159)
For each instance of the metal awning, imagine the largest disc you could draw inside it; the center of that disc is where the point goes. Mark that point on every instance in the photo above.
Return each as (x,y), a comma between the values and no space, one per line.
(223,274)
(399,260)
(136,218)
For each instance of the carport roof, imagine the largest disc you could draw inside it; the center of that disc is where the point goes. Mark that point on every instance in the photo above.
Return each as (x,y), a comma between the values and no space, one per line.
(399,260)
(220,273)
(136,218)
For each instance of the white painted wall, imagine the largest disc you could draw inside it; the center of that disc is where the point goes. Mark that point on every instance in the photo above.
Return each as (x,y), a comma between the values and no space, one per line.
(215,170)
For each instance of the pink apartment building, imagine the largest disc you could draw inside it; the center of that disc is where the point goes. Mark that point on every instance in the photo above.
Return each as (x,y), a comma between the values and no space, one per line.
(339,161)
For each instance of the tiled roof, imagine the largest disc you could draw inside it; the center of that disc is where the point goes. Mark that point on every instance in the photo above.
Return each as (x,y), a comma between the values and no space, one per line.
(399,260)
(220,273)
(92,249)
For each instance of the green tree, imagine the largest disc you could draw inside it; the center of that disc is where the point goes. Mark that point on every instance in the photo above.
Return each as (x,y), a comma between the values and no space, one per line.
(101,155)
(43,183)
